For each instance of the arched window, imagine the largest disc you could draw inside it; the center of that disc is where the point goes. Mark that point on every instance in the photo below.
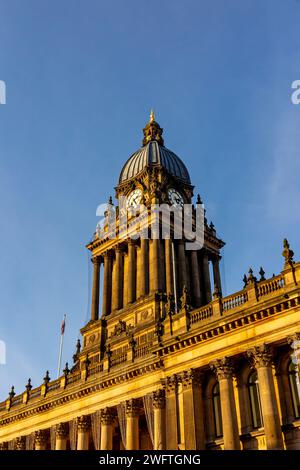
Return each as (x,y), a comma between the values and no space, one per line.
(254,397)
(294,380)
(217,410)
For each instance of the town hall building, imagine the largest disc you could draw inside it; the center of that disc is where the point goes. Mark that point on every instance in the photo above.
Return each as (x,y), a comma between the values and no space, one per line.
(165,361)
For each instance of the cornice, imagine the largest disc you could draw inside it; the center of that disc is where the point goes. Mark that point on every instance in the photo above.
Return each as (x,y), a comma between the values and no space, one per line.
(81,393)
(219,327)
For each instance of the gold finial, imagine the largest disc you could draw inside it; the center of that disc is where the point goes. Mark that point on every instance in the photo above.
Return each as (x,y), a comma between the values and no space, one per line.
(152,131)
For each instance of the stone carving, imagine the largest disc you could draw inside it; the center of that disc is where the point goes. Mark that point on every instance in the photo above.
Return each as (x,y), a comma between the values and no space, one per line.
(260,356)
(76,355)
(119,329)
(217,293)
(144,315)
(288,254)
(185,299)
(152,131)
(66,370)
(251,279)
(170,305)
(84,423)
(191,377)
(159,330)
(46,378)
(133,407)
(12,393)
(262,274)
(62,430)
(107,416)
(159,399)
(92,338)
(86,364)
(41,436)
(20,443)
(28,386)
(170,384)
(223,368)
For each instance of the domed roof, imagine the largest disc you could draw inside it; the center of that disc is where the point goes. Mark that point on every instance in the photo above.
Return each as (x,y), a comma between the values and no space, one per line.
(153,153)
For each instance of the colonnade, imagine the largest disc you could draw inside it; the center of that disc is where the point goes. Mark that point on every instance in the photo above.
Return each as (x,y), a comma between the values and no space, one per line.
(180,422)
(136,268)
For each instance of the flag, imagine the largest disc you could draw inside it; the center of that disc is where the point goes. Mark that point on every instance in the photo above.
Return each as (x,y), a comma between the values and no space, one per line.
(63,325)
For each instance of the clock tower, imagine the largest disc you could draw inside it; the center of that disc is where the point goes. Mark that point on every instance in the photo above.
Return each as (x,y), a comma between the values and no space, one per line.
(148,281)
(166,362)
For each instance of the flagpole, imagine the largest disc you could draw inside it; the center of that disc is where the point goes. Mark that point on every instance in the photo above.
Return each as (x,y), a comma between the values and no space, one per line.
(61,346)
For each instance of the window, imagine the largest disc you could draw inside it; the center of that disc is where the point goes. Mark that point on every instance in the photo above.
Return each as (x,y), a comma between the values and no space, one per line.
(217,411)
(254,397)
(294,381)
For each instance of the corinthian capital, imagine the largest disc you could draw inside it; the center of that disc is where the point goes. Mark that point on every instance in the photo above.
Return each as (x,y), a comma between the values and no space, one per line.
(190,377)
(133,407)
(260,356)
(170,383)
(62,430)
(107,416)
(41,436)
(96,261)
(84,423)
(159,399)
(20,443)
(223,368)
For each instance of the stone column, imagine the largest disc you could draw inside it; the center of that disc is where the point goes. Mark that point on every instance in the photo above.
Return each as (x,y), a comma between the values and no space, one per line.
(61,436)
(159,409)
(83,430)
(125,279)
(131,272)
(195,280)
(20,443)
(117,297)
(154,265)
(41,438)
(224,372)
(4,445)
(169,266)
(206,277)
(96,286)
(144,267)
(193,410)
(107,421)
(107,281)
(216,271)
(171,413)
(262,361)
(182,265)
(133,410)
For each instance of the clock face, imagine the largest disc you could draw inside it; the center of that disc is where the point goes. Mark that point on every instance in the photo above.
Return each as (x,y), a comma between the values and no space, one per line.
(175,197)
(134,198)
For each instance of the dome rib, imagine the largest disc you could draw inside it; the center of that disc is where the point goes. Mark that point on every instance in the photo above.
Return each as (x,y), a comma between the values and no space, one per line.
(154,154)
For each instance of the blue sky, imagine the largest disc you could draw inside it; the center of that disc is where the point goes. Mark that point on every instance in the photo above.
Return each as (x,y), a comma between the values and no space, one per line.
(81,77)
